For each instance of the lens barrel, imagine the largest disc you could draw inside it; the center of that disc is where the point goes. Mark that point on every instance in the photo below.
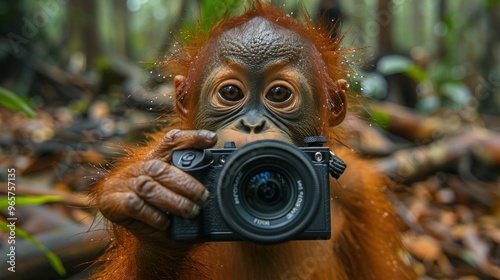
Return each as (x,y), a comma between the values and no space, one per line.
(269,191)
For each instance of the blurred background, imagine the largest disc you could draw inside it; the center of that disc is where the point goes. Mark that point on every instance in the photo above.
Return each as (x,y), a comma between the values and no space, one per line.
(77,82)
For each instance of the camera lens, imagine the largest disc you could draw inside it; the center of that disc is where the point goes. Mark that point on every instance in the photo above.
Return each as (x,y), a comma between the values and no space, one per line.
(268,191)
(266,188)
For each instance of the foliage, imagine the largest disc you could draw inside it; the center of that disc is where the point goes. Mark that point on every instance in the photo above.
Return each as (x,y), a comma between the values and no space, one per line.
(11,101)
(210,13)
(438,87)
(54,260)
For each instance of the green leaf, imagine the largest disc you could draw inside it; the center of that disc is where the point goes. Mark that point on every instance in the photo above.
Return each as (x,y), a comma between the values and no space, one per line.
(374,85)
(11,101)
(29,200)
(394,64)
(459,93)
(492,3)
(380,118)
(213,11)
(398,64)
(54,260)
(416,73)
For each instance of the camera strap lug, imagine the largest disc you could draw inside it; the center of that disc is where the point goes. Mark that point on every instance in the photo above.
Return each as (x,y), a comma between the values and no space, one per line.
(336,166)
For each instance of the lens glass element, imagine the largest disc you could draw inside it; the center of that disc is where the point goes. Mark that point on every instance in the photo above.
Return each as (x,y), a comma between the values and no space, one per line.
(267,192)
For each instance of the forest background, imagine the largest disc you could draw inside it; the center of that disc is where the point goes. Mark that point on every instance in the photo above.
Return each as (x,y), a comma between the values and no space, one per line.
(77,81)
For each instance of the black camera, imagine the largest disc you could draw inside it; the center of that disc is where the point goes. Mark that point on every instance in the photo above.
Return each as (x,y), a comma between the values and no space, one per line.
(266,192)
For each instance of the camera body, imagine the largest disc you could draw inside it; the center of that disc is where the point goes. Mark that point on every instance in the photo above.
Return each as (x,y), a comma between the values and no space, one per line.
(265,192)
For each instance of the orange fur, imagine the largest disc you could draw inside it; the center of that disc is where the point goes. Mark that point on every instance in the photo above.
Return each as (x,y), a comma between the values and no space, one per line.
(365,243)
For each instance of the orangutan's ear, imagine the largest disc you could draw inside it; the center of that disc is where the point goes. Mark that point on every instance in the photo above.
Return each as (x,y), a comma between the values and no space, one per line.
(180,100)
(339,108)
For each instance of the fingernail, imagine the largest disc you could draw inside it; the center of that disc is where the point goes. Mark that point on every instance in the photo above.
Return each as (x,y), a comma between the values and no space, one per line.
(203,197)
(210,135)
(194,211)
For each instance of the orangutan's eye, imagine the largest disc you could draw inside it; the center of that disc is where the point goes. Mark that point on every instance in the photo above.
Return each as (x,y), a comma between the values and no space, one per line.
(231,93)
(279,94)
